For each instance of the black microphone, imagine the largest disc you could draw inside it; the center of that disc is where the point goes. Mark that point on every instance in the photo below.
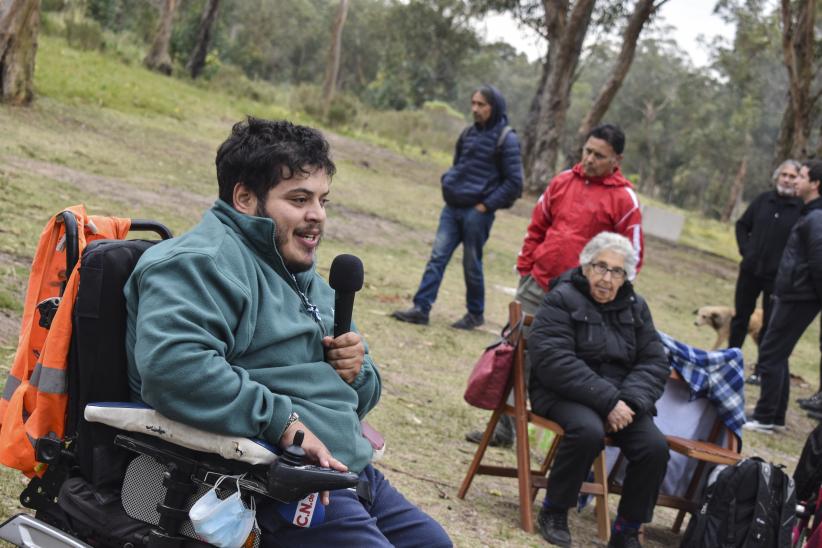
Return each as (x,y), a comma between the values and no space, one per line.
(345,279)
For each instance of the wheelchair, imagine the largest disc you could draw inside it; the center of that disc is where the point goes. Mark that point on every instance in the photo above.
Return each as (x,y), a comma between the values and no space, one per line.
(123,475)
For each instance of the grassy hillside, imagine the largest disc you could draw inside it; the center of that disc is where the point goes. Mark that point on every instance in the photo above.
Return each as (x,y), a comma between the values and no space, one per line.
(128,142)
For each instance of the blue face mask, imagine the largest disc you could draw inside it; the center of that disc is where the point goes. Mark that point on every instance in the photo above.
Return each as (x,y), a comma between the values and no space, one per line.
(224,523)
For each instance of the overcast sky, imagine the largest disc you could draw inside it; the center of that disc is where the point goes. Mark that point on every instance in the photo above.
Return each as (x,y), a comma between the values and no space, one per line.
(689,18)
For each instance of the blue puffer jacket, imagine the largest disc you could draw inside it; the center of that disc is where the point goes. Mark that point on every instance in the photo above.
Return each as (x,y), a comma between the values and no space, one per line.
(475,176)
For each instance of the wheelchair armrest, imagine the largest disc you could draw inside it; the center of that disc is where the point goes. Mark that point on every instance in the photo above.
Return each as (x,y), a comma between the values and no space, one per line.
(139,418)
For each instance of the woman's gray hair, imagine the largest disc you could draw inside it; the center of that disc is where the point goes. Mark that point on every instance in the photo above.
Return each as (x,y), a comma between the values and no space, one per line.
(610,241)
(793,163)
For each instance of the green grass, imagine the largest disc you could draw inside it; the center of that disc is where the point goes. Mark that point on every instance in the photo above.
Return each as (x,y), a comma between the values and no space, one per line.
(128,142)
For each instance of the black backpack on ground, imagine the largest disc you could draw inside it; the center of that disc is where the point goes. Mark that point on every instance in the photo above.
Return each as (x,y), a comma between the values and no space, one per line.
(751,504)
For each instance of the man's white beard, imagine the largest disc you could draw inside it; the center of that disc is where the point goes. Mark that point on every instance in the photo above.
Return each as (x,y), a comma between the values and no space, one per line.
(785,190)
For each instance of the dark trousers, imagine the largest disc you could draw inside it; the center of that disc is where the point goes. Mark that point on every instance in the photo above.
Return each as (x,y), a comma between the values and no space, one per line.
(748,288)
(641,443)
(388,520)
(458,225)
(788,322)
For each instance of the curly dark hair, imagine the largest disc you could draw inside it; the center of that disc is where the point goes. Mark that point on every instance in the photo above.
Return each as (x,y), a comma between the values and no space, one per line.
(261,153)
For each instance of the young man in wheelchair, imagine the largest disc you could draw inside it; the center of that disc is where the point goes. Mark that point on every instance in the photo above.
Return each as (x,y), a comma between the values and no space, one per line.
(230,330)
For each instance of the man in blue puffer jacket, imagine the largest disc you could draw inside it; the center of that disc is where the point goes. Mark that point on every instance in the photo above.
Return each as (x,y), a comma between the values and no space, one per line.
(486,176)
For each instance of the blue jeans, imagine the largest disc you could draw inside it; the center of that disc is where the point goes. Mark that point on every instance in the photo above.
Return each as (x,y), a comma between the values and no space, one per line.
(458,225)
(388,520)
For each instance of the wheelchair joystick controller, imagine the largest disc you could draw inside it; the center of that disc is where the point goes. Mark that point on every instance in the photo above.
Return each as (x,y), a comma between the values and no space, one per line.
(294,454)
(290,479)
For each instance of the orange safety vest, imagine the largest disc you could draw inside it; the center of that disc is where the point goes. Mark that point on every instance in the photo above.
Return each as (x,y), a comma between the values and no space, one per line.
(34,400)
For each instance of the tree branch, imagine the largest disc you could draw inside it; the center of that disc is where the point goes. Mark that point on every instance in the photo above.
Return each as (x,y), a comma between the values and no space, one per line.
(642,13)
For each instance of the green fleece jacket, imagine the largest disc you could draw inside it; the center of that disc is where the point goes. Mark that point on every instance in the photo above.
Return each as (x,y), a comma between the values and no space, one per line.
(222,337)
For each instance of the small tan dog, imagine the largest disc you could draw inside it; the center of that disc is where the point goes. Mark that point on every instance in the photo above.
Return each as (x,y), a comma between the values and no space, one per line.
(719,317)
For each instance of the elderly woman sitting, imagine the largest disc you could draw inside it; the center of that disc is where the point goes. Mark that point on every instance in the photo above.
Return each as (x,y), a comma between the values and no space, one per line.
(598,367)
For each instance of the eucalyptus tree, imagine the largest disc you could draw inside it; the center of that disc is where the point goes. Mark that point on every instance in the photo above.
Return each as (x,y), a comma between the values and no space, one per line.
(19,25)
(332,66)
(800,50)
(565,25)
(197,59)
(158,57)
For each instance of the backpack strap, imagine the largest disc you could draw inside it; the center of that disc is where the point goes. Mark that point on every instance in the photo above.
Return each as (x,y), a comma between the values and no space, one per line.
(762,520)
(787,513)
(498,148)
(458,147)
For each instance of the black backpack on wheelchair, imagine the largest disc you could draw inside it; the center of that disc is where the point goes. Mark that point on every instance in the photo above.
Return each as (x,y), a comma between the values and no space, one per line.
(105,486)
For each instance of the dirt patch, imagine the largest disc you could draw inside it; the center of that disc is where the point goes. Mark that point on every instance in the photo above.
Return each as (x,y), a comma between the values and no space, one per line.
(672,257)
(355,227)
(163,197)
(382,160)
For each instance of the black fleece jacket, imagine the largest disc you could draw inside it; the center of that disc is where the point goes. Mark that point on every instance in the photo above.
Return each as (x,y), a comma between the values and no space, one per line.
(762,231)
(595,354)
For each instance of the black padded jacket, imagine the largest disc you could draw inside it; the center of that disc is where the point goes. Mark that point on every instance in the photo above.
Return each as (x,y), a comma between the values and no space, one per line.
(595,354)
(800,271)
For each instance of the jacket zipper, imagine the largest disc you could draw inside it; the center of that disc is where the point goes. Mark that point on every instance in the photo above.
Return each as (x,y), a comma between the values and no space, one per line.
(311,308)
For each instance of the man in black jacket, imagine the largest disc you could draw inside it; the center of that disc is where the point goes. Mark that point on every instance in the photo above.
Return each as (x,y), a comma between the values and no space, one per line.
(761,234)
(797,300)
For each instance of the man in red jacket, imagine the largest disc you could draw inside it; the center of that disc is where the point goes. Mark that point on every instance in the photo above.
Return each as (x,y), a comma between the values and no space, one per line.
(579,203)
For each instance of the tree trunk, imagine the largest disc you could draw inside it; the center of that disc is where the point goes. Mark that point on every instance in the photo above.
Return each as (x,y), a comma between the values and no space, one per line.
(565,37)
(158,57)
(529,135)
(332,66)
(19,24)
(643,11)
(798,54)
(739,182)
(648,178)
(785,140)
(196,61)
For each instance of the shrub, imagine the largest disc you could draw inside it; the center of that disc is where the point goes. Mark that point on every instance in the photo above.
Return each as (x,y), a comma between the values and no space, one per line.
(84,34)
(51,24)
(343,110)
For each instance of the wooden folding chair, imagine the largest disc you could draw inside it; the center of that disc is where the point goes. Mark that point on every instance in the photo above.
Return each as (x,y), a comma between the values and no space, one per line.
(530,480)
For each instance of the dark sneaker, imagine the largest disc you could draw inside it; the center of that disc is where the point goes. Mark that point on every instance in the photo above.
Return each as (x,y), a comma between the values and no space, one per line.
(469,321)
(412,315)
(625,539)
(553,526)
(814,403)
(815,415)
(503,435)
(754,379)
(496,439)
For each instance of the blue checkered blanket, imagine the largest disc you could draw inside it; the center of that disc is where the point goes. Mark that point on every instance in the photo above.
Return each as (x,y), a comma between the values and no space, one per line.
(717,375)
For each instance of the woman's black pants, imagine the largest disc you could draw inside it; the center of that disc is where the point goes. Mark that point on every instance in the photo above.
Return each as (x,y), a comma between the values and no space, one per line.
(641,442)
